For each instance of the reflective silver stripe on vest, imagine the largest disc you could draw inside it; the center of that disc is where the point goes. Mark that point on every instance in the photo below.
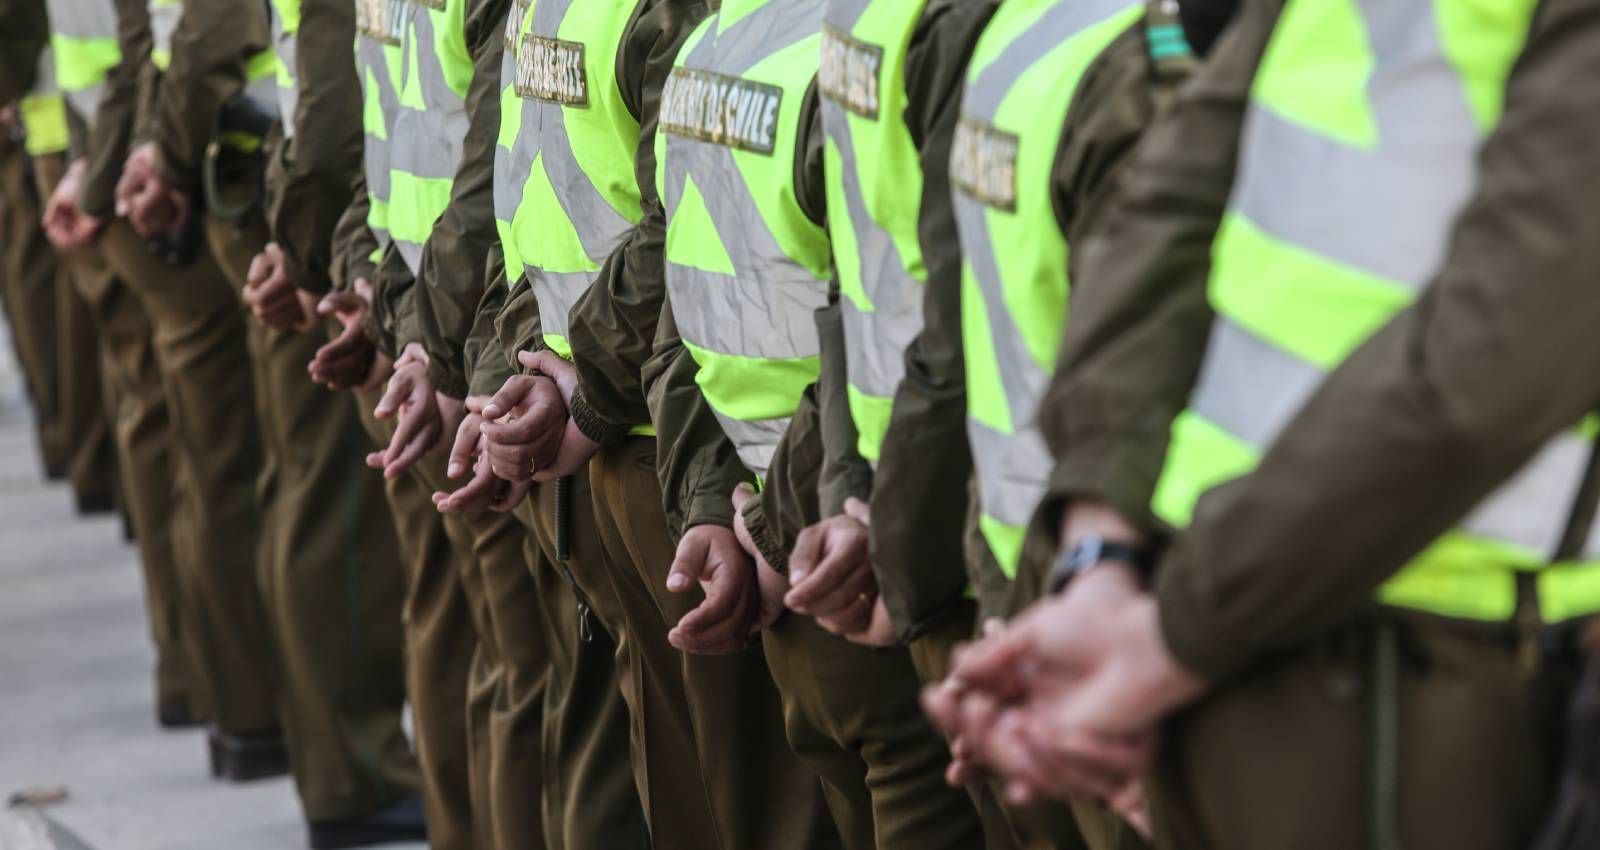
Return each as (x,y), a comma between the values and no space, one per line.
(600,228)
(511,168)
(44,74)
(768,308)
(86,102)
(1013,468)
(164,19)
(875,342)
(1252,389)
(426,142)
(82,18)
(264,91)
(85,19)
(370,60)
(1405,195)
(283,42)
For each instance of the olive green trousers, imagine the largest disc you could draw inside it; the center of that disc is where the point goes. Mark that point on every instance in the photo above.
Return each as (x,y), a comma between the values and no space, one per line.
(1288,754)
(28,275)
(853,716)
(503,686)
(716,769)
(329,569)
(590,797)
(141,430)
(205,371)
(440,641)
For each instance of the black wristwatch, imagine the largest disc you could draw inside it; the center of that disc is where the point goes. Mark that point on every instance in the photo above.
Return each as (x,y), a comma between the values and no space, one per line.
(1093,550)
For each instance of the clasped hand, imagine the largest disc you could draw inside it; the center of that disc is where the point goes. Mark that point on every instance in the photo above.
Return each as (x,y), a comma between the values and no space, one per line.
(1066,700)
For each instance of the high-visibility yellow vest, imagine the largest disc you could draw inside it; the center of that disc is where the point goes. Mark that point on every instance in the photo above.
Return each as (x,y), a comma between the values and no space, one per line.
(285,35)
(43,111)
(746,269)
(565,189)
(380,25)
(1024,72)
(83,38)
(430,123)
(874,193)
(1358,155)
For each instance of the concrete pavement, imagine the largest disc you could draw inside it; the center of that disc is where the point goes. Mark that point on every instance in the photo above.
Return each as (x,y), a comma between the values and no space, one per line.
(76,702)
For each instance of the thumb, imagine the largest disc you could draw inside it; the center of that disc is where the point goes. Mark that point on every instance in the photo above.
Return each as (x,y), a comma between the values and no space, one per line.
(259,269)
(539,360)
(392,397)
(551,364)
(333,302)
(741,494)
(506,400)
(688,563)
(461,452)
(858,510)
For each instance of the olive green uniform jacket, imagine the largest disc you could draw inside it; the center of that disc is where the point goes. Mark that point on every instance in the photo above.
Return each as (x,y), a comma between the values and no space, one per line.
(1417,426)
(26,32)
(120,102)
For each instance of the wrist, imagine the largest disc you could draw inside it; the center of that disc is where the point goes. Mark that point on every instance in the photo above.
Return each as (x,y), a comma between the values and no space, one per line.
(1091,553)
(1170,685)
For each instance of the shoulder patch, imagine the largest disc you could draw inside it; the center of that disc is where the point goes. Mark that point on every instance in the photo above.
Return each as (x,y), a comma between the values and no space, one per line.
(849,73)
(722,110)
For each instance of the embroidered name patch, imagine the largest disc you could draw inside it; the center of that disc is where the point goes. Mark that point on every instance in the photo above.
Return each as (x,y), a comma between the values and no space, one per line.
(519,10)
(720,109)
(983,163)
(552,70)
(381,20)
(848,75)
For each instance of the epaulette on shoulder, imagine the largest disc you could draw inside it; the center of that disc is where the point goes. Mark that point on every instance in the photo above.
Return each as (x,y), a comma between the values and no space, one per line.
(1169,51)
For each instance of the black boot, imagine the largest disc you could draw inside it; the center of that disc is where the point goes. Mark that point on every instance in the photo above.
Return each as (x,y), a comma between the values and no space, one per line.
(176,715)
(399,822)
(247,756)
(92,503)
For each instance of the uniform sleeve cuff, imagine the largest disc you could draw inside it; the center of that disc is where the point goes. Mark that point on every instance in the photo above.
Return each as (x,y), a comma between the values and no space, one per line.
(173,176)
(1110,468)
(1193,639)
(707,508)
(307,278)
(446,379)
(761,532)
(373,330)
(594,426)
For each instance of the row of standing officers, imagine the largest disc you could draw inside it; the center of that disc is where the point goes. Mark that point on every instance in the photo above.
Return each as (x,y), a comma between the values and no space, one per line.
(723,373)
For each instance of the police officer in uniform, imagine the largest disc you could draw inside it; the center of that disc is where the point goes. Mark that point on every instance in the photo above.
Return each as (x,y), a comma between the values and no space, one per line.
(84,37)
(328,567)
(1380,543)
(577,148)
